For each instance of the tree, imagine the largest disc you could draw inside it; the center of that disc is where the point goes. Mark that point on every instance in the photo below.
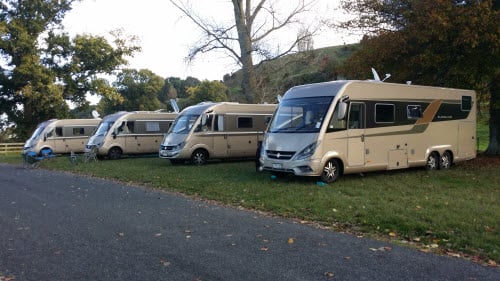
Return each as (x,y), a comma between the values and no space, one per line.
(247,37)
(42,68)
(432,42)
(214,91)
(139,90)
(23,79)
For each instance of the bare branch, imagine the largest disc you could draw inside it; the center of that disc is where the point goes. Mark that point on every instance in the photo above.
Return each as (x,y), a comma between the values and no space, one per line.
(216,37)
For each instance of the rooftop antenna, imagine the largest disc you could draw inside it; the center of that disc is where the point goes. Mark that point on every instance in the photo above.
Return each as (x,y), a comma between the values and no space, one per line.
(174,105)
(376,77)
(95,114)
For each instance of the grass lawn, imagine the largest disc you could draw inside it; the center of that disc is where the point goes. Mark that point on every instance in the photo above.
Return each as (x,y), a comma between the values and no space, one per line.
(454,212)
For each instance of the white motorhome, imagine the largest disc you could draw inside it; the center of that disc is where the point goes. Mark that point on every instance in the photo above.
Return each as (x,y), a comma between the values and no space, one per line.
(61,135)
(136,132)
(341,127)
(217,131)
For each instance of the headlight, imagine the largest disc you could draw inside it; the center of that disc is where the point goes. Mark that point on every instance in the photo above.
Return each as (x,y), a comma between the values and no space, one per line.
(307,152)
(180,146)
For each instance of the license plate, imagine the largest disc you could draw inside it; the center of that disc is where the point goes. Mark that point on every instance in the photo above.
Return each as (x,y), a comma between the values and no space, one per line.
(277,166)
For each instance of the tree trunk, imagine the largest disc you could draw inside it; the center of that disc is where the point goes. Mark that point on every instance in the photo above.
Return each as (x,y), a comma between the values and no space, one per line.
(242,18)
(494,145)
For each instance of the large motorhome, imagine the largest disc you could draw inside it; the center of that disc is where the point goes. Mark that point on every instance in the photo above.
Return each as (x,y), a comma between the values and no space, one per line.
(136,132)
(341,127)
(61,135)
(216,131)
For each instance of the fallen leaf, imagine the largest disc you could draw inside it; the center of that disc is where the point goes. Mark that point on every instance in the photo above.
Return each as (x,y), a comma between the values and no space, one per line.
(328,274)
(452,254)
(164,262)
(264,249)
(121,234)
(492,263)
(392,234)
(158,234)
(290,240)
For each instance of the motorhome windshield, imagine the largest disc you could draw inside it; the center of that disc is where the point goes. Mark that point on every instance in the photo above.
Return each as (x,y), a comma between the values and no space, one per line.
(103,128)
(37,132)
(183,123)
(302,115)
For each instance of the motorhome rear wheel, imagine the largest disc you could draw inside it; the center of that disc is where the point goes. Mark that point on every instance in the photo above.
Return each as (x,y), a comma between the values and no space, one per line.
(446,161)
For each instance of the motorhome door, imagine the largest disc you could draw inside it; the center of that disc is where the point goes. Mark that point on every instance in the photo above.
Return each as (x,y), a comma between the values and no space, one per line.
(219,137)
(356,134)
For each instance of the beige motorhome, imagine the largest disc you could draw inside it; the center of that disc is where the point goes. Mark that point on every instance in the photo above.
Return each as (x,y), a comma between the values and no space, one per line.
(61,135)
(216,131)
(136,132)
(341,127)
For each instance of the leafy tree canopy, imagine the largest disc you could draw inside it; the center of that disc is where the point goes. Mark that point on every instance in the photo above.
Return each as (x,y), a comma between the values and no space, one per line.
(431,42)
(42,68)
(138,90)
(214,91)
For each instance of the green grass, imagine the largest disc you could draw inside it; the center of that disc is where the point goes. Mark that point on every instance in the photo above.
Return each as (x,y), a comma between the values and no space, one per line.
(458,209)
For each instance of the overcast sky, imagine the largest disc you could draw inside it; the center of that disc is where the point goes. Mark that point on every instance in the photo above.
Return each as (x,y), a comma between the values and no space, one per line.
(165,35)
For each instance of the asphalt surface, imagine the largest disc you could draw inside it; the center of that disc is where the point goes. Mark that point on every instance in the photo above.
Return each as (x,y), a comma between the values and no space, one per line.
(59,226)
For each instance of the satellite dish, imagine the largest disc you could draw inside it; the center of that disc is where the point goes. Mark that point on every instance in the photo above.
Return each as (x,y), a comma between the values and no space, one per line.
(279,98)
(95,114)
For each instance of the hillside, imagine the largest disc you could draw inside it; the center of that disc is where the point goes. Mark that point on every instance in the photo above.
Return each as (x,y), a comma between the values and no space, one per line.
(276,76)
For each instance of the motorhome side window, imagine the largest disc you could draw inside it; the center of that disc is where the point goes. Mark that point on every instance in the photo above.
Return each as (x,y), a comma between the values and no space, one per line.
(78,131)
(466,103)
(336,124)
(152,126)
(414,111)
(219,123)
(245,122)
(59,132)
(357,116)
(384,113)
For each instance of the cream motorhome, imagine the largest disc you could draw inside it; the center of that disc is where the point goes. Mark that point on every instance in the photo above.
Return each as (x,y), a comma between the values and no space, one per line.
(337,127)
(61,135)
(137,132)
(216,131)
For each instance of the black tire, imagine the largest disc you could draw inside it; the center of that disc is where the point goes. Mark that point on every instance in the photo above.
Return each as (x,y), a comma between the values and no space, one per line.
(446,161)
(432,162)
(114,153)
(199,157)
(331,171)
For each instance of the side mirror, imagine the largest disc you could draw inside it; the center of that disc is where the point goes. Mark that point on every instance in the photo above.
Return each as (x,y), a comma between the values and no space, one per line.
(342,110)
(44,137)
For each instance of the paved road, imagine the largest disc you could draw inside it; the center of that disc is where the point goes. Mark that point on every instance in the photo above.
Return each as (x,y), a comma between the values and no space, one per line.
(58,226)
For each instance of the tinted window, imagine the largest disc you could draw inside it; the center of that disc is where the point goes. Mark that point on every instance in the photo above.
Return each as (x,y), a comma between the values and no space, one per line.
(78,131)
(245,122)
(384,113)
(414,111)
(466,103)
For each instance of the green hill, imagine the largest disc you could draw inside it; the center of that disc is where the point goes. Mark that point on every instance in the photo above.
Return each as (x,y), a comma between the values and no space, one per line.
(276,76)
